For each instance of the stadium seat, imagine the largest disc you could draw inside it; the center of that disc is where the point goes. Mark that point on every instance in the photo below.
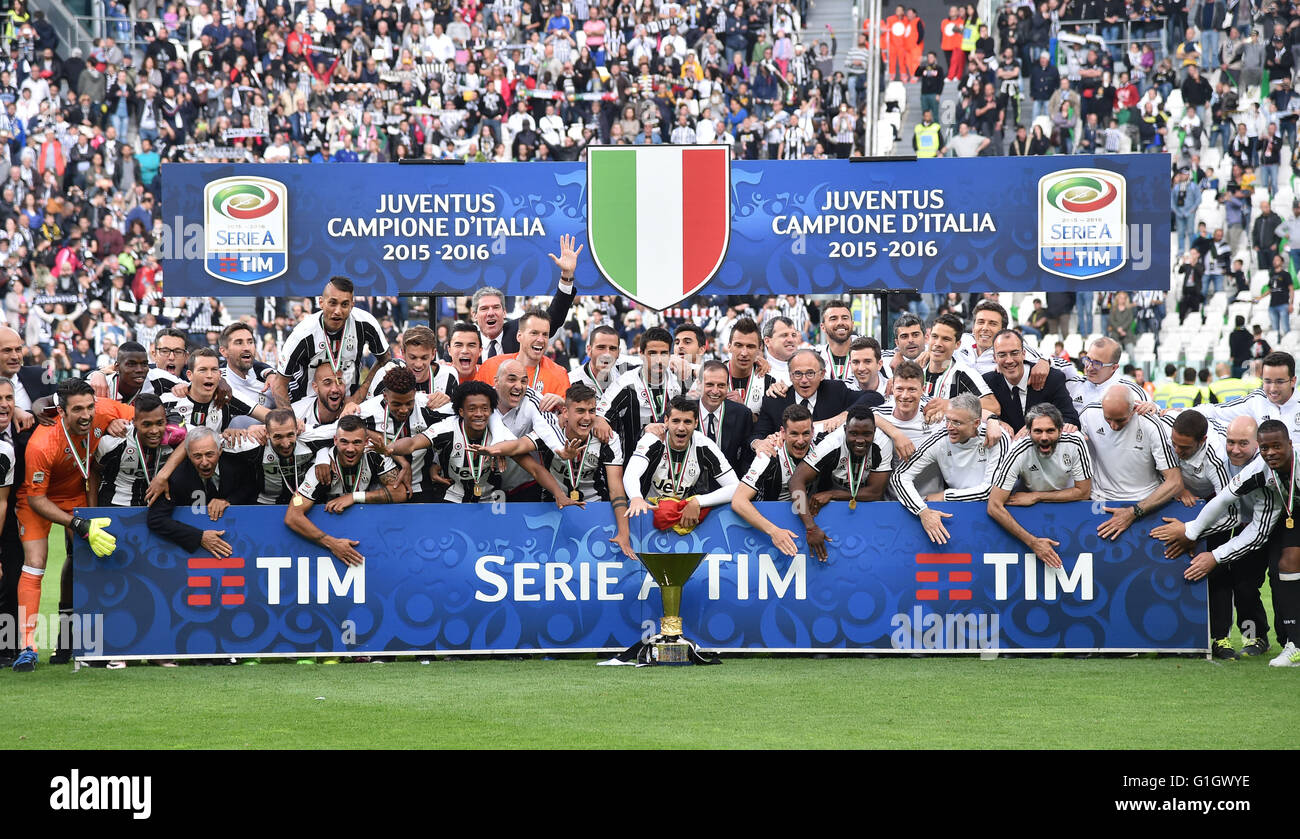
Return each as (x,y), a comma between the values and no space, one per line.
(896,96)
(894,121)
(1174,105)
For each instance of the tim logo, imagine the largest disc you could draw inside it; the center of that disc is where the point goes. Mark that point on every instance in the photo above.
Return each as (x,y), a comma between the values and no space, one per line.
(1082,224)
(937,570)
(212,582)
(245,229)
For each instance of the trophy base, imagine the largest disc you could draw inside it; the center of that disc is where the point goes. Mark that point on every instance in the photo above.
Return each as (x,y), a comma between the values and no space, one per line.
(674,650)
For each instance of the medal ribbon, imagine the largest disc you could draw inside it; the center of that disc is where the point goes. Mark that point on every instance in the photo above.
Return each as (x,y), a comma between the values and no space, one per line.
(356,482)
(855,485)
(576,472)
(679,478)
(83,466)
(144,466)
(837,373)
(335,356)
(475,471)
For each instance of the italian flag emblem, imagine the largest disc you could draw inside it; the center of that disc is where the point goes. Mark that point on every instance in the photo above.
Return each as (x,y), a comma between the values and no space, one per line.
(658,218)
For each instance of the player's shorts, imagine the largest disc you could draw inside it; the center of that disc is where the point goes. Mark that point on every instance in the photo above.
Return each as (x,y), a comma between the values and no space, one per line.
(32,526)
(1287,537)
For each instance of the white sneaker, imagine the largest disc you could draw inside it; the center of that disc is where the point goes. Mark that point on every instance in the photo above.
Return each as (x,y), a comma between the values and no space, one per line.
(1289,657)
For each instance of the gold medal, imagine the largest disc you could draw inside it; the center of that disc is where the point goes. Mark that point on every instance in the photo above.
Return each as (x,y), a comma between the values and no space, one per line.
(575,495)
(853,503)
(478,491)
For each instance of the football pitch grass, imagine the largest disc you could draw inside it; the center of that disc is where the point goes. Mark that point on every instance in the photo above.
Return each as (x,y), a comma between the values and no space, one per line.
(751,702)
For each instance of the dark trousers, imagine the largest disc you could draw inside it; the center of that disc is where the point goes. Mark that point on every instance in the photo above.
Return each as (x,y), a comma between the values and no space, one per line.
(11,567)
(1237,584)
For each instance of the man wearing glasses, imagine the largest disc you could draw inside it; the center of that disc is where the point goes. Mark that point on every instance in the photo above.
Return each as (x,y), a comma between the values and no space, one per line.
(1101,371)
(1010,383)
(1276,399)
(828,401)
(960,455)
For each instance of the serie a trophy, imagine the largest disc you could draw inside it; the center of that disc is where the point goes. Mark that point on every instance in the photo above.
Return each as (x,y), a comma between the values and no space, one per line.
(670,646)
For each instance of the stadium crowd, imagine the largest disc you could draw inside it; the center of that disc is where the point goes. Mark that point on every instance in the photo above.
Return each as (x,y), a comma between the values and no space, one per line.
(341,400)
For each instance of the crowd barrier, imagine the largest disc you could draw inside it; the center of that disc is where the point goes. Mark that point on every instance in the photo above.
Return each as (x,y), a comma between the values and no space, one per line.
(526,578)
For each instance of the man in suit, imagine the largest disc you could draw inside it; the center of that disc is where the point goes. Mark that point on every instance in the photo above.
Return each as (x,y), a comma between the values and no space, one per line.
(207,478)
(827,400)
(31,383)
(725,422)
(1015,395)
(488,306)
(11,549)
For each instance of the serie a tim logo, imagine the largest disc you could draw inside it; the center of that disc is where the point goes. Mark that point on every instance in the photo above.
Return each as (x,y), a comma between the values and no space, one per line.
(245,229)
(1082,223)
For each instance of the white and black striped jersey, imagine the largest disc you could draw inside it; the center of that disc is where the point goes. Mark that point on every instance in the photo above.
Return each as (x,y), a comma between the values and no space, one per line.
(769,475)
(1084,392)
(838,368)
(1267,496)
(365,476)
(1127,464)
(307,410)
(832,460)
(187,413)
(887,358)
(282,475)
(881,384)
(159,382)
(374,413)
(7,466)
(588,469)
(251,388)
(1256,404)
(1024,464)
(464,469)
(630,404)
(752,389)
(113,393)
(442,379)
(309,346)
(1205,473)
(125,469)
(1242,510)
(523,420)
(660,472)
(917,431)
(956,378)
(967,469)
(583,374)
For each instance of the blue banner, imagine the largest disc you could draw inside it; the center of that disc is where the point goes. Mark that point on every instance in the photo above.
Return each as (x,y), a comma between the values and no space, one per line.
(799,227)
(529,578)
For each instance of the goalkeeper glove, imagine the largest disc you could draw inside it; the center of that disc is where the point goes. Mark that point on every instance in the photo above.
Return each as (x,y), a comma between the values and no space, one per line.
(101,541)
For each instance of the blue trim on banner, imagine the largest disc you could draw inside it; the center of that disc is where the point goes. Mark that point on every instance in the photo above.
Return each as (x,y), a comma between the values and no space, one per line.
(527,577)
(798,227)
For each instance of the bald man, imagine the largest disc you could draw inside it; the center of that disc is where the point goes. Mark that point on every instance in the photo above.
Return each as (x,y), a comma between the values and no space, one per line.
(32,382)
(1133,460)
